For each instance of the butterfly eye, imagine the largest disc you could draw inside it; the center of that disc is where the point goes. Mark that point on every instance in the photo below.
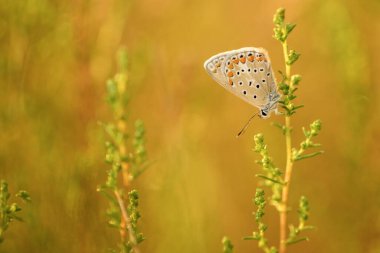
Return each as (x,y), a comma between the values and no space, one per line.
(226,70)
(221,58)
(241,55)
(254,96)
(238,73)
(261,70)
(250,83)
(250,54)
(242,70)
(240,83)
(263,80)
(257,86)
(249,70)
(268,74)
(244,92)
(233,58)
(255,70)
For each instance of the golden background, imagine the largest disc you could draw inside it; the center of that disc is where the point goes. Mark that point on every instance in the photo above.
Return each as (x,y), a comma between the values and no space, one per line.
(55,57)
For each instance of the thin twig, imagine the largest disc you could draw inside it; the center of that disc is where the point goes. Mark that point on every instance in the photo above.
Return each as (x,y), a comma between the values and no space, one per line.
(126,223)
(289,165)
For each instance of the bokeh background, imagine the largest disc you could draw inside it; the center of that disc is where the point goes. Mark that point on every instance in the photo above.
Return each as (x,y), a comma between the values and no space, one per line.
(55,57)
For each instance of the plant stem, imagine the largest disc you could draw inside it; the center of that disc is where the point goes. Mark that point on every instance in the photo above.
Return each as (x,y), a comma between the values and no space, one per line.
(122,126)
(289,164)
(126,223)
(286,57)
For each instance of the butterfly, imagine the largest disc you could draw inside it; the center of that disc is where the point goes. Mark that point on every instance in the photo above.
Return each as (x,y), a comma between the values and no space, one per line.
(247,73)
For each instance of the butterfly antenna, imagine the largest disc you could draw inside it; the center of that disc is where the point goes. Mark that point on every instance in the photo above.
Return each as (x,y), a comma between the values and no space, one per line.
(246,125)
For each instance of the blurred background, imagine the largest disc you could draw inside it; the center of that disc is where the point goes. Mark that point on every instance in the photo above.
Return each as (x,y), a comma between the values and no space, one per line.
(55,57)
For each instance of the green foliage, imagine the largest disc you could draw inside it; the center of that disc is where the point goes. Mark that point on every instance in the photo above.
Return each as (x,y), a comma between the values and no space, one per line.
(273,177)
(134,214)
(228,247)
(262,243)
(287,87)
(9,211)
(297,154)
(293,57)
(303,213)
(138,158)
(127,158)
(281,29)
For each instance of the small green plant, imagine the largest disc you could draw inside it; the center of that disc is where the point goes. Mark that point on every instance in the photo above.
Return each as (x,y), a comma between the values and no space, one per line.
(227,245)
(277,180)
(127,159)
(9,212)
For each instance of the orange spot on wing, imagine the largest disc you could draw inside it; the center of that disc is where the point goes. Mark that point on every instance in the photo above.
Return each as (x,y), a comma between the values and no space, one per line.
(235,61)
(251,58)
(230,81)
(242,60)
(230,74)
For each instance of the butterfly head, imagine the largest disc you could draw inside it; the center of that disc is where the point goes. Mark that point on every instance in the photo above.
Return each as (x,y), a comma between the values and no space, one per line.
(265,111)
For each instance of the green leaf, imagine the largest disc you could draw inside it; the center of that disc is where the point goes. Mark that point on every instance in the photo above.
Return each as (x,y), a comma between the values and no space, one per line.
(247,238)
(301,157)
(270,179)
(315,127)
(228,247)
(112,92)
(293,57)
(289,28)
(279,17)
(307,228)
(303,210)
(294,241)
(298,107)
(295,79)
(24,195)
(123,60)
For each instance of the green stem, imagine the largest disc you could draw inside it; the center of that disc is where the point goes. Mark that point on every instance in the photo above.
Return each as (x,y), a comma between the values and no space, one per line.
(289,164)
(286,56)
(126,223)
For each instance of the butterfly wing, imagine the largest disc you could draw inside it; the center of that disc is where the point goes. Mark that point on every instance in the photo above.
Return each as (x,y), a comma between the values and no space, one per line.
(214,67)
(245,72)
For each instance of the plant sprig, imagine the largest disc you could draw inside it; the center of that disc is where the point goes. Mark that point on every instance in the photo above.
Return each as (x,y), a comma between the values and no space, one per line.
(298,154)
(277,180)
(273,177)
(288,86)
(9,211)
(259,235)
(228,247)
(127,158)
(303,214)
